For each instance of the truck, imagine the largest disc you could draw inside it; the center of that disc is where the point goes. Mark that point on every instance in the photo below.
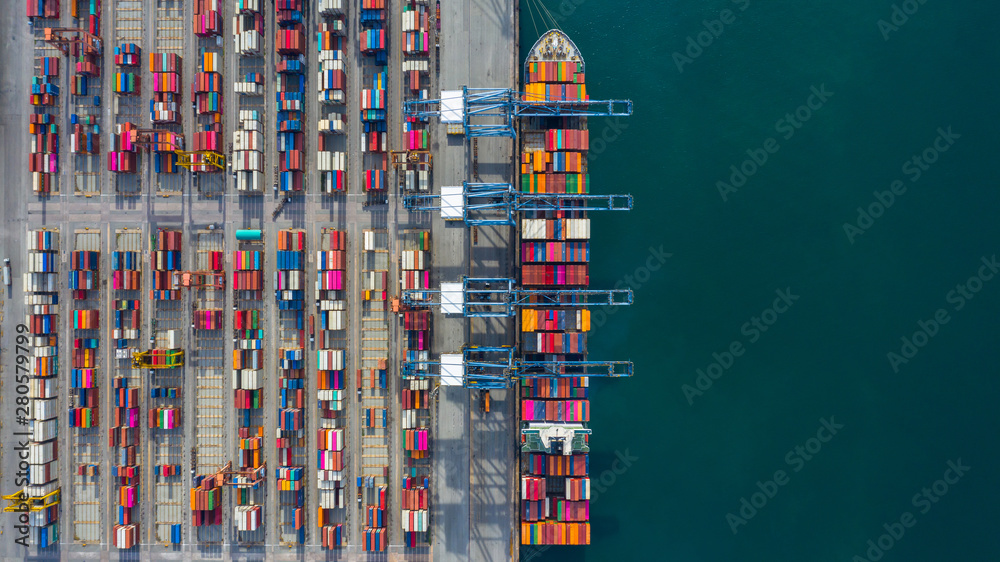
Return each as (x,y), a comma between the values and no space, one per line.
(6,271)
(312,329)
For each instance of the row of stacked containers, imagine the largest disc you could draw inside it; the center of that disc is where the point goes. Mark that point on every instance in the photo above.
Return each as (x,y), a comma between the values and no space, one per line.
(206,93)
(41,299)
(331,307)
(249,325)
(85,83)
(43,159)
(123,433)
(289,290)
(374,94)
(554,253)
(165,109)
(414,268)
(290,95)
(122,155)
(415,46)
(332,87)
(84,278)
(373,416)
(247,154)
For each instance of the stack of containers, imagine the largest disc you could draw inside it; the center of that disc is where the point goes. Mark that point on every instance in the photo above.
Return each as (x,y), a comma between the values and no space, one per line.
(122,156)
(166,77)
(44,90)
(248,151)
(252,84)
(163,144)
(82,141)
(290,95)
(43,161)
(248,377)
(93,15)
(207,18)
(416,28)
(373,111)
(414,267)
(207,87)
(165,260)
(373,95)
(43,9)
(248,28)
(41,300)
(332,84)
(289,289)
(415,47)
(206,502)
(331,306)
(124,434)
(125,82)
(332,88)
(375,533)
(555,251)
(555,80)
(84,276)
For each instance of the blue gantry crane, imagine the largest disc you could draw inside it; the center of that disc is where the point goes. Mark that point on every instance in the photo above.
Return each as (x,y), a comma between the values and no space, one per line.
(490,112)
(489,297)
(497,367)
(479,204)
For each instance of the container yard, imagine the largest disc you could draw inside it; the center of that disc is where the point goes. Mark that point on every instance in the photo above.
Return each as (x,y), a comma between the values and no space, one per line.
(234,382)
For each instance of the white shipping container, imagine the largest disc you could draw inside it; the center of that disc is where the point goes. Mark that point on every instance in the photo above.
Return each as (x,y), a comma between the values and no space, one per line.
(44,409)
(334,125)
(41,453)
(248,88)
(419,384)
(42,388)
(330,161)
(332,305)
(248,140)
(247,517)
(330,359)
(42,490)
(39,299)
(248,379)
(329,479)
(331,7)
(173,339)
(331,395)
(419,518)
(43,349)
(129,334)
(246,115)
(331,499)
(250,181)
(248,42)
(326,57)
(418,65)
(39,475)
(44,430)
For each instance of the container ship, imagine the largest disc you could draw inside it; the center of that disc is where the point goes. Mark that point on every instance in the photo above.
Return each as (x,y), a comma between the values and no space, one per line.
(554,252)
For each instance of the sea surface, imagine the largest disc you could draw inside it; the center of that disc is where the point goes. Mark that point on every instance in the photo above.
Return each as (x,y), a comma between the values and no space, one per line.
(842,248)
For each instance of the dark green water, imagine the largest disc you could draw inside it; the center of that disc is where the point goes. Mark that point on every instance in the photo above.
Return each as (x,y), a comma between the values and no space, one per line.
(826,355)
